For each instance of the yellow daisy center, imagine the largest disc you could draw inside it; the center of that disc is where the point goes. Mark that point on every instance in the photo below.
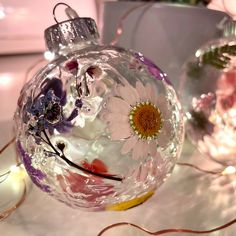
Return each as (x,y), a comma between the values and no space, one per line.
(145,119)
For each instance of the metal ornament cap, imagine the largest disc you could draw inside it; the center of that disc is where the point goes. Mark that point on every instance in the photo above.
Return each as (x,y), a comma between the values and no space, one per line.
(230,28)
(69,32)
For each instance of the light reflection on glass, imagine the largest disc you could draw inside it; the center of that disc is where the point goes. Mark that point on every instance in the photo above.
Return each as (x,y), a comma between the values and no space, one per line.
(2,13)
(49,55)
(6,80)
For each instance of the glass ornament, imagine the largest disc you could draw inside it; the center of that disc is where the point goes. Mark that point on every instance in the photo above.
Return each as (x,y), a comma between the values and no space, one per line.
(207,87)
(99,127)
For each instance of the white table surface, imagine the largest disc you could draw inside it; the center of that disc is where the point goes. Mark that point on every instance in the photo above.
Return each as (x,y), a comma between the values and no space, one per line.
(188,199)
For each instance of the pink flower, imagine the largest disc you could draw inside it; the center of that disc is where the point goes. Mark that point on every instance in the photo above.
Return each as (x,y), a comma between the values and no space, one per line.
(140,118)
(204,103)
(91,187)
(228,6)
(226,92)
(220,145)
(227,82)
(227,102)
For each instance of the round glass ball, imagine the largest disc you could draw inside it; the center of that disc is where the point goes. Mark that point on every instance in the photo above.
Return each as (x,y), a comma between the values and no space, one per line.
(100,128)
(207,87)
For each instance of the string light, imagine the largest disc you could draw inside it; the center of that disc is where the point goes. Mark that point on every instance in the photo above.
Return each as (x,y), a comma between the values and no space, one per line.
(199,169)
(14,175)
(18,172)
(7,212)
(165,231)
(229,170)
(49,55)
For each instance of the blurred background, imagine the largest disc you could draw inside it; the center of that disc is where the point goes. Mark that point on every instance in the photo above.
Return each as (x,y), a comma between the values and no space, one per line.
(22,25)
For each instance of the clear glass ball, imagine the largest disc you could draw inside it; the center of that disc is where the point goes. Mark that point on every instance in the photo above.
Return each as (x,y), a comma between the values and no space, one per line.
(208,95)
(99,128)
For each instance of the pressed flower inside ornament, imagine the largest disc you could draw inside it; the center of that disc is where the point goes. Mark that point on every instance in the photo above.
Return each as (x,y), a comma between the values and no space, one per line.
(99,127)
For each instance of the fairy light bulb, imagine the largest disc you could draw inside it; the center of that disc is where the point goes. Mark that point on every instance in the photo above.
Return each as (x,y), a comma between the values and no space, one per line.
(229,170)
(17,172)
(14,169)
(49,55)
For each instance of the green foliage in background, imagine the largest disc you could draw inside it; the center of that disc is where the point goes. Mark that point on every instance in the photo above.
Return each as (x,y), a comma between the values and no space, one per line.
(219,57)
(191,2)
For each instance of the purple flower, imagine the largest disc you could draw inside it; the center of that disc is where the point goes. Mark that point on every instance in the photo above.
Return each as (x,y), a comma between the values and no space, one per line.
(152,68)
(78,103)
(47,110)
(36,175)
(55,85)
(65,125)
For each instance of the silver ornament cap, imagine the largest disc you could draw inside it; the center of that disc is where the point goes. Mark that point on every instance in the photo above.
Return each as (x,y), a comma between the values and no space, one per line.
(73,31)
(230,28)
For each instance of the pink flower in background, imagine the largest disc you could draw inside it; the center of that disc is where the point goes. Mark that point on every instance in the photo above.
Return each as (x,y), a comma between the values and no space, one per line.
(227,6)
(226,103)
(204,103)
(139,117)
(226,92)
(220,145)
(227,82)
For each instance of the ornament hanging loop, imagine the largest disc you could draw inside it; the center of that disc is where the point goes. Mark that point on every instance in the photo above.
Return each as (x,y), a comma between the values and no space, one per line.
(70,12)
(74,30)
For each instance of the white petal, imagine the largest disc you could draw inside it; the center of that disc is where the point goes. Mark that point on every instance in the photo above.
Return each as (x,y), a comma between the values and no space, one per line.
(158,157)
(152,147)
(149,91)
(118,105)
(135,153)
(118,134)
(161,103)
(145,149)
(115,118)
(141,91)
(119,126)
(144,173)
(128,94)
(165,134)
(140,150)
(129,144)
(127,84)
(134,92)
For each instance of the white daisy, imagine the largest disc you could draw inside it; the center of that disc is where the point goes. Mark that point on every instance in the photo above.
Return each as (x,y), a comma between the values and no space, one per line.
(139,117)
